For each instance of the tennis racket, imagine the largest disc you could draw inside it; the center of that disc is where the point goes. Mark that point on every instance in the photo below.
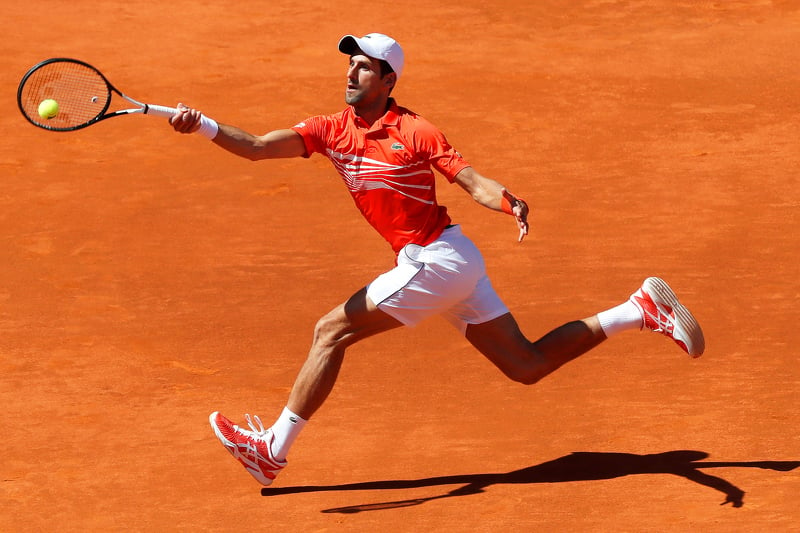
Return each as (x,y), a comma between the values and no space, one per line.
(83,96)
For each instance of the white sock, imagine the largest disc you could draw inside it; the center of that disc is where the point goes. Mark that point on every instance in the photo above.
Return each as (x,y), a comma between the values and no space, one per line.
(285,429)
(620,318)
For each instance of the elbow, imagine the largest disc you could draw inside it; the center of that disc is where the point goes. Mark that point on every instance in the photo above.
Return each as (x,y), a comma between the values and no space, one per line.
(254,156)
(259,151)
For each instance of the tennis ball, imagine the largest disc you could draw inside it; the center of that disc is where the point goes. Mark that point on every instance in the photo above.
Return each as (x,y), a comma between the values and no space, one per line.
(48,108)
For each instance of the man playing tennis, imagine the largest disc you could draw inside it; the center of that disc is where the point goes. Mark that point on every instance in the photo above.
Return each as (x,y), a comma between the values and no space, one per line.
(385,155)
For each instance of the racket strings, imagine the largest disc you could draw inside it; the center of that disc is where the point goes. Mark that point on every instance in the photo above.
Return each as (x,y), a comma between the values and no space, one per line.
(81,93)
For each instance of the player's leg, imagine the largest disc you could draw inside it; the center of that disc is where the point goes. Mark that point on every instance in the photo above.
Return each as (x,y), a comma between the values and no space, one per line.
(502,342)
(350,322)
(263,451)
(654,307)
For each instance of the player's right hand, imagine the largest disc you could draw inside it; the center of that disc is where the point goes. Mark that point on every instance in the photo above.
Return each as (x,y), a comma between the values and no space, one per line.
(186,120)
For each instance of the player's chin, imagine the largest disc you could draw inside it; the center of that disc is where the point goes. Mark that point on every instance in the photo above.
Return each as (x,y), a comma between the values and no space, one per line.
(352,97)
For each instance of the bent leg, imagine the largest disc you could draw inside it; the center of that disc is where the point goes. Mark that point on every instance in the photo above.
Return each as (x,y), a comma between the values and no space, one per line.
(502,342)
(350,322)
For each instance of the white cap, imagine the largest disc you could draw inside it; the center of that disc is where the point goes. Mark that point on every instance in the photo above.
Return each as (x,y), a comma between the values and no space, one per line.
(377,46)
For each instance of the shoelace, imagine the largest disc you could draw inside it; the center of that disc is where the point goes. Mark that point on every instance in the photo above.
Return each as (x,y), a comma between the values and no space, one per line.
(259,430)
(267,463)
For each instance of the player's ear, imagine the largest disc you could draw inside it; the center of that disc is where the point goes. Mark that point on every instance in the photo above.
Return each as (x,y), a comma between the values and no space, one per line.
(390,80)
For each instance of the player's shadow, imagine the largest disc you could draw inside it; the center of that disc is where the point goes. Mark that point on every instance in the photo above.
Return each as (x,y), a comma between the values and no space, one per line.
(577,466)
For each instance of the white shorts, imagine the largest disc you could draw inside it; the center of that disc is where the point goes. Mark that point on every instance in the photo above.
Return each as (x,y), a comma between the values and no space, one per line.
(446,277)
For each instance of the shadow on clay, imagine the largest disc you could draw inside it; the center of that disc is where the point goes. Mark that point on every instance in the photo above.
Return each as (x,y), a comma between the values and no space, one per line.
(577,466)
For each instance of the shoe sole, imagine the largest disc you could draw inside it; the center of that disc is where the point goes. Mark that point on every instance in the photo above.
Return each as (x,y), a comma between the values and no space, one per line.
(231,446)
(663,294)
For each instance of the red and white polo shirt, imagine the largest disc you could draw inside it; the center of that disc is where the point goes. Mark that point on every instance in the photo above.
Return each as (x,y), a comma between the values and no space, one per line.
(387,169)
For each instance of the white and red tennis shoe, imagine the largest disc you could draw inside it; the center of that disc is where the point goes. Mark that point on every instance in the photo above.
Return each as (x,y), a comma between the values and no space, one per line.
(664,314)
(251,448)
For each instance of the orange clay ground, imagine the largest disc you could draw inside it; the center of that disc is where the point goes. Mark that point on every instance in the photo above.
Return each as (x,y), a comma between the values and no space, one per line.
(149,278)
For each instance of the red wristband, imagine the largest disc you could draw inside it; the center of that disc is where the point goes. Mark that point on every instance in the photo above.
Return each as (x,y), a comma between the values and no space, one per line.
(506,206)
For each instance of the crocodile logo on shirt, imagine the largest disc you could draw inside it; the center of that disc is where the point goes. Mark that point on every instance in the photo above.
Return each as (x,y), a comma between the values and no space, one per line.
(397,146)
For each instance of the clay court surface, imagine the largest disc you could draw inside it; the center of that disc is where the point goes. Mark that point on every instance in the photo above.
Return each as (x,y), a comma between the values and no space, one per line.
(150,278)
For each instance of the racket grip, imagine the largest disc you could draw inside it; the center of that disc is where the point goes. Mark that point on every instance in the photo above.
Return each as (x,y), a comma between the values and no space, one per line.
(208,126)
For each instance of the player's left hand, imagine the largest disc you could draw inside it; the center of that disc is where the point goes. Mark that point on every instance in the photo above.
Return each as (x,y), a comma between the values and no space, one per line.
(520,211)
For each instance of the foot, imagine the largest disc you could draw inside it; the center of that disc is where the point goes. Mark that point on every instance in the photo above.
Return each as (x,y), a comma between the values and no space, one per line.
(251,448)
(664,314)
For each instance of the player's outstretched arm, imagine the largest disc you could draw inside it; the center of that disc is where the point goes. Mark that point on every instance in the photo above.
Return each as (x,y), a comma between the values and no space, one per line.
(493,195)
(275,144)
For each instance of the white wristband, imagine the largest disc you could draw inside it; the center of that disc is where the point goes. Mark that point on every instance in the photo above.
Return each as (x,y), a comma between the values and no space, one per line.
(208,127)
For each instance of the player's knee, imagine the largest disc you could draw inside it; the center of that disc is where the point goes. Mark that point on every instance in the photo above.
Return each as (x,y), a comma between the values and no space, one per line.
(526,376)
(329,330)
(527,371)
(324,330)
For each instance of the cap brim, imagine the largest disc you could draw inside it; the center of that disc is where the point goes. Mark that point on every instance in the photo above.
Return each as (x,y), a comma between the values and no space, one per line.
(348,45)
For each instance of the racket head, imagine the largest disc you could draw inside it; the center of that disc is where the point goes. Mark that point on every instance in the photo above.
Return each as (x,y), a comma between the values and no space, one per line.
(82,92)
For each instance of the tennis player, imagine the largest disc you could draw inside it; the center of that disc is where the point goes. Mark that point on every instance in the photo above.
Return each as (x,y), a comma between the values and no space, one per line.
(386,155)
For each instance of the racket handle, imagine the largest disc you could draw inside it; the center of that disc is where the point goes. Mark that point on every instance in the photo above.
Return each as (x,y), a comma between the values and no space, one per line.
(208,126)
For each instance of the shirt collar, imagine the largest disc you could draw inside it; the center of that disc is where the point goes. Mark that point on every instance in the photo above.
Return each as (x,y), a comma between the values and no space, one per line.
(390,118)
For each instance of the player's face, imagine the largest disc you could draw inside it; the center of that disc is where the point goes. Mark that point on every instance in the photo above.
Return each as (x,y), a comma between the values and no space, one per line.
(364,82)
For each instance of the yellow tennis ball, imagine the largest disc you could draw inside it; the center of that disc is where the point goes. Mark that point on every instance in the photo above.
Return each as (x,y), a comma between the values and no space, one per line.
(48,108)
